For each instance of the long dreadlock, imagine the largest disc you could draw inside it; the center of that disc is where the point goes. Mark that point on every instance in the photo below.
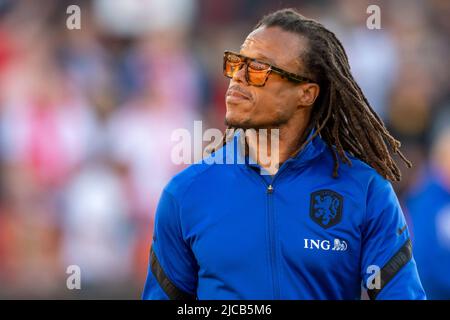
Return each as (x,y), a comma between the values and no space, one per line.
(341,115)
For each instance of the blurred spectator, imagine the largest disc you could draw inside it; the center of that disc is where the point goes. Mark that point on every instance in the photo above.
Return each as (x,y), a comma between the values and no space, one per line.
(429,209)
(134,17)
(96,232)
(375,70)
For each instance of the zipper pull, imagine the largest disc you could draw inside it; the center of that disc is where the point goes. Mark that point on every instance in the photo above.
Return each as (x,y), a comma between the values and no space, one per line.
(270,189)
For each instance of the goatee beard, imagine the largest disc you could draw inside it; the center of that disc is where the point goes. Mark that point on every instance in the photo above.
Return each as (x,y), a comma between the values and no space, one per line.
(248,125)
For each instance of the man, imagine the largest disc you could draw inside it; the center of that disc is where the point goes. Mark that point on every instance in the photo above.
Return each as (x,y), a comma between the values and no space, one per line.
(324,221)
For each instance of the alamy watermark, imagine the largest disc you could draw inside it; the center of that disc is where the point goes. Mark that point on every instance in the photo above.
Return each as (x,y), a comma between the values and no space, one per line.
(374,19)
(243,146)
(73,281)
(374,279)
(73,21)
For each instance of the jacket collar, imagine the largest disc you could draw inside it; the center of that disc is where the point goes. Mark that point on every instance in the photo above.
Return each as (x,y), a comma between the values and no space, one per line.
(311,151)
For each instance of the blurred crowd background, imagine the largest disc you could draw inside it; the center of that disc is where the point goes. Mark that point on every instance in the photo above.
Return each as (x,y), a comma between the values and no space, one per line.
(86,118)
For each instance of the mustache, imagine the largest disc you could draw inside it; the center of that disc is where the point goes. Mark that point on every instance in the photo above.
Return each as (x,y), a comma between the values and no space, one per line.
(240,90)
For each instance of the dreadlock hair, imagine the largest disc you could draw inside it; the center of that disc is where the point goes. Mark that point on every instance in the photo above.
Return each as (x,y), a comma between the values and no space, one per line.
(341,114)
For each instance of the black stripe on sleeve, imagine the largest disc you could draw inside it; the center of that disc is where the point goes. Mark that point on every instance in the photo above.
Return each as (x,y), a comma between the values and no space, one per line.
(168,287)
(392,267)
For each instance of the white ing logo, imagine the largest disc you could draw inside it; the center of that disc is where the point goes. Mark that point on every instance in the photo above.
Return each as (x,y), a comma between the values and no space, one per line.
(337,245)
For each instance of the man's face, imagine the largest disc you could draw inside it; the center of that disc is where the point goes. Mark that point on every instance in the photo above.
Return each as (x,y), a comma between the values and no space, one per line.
(273,104)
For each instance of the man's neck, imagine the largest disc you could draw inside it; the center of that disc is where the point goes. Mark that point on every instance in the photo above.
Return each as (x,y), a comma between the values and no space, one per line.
(272,154)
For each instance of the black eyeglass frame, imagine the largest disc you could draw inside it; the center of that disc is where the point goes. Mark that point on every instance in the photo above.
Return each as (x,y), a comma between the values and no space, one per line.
(283,73)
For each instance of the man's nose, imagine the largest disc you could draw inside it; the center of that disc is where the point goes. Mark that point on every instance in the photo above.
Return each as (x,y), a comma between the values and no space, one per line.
(239,76)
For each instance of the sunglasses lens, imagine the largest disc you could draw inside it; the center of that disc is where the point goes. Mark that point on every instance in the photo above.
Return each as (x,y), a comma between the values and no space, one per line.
(257,72)
(232,64)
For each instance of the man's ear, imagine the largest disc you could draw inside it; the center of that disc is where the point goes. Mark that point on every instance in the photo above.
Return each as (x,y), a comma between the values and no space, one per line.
(308,93)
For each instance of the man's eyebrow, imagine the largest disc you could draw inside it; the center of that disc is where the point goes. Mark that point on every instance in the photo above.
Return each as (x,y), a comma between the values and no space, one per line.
(265,59)
(260,56)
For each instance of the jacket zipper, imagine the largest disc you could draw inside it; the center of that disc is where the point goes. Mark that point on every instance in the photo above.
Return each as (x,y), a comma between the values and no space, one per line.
(272,241)
(272,236)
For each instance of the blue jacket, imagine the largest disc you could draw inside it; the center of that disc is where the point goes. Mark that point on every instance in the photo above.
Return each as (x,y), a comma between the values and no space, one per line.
(224,231)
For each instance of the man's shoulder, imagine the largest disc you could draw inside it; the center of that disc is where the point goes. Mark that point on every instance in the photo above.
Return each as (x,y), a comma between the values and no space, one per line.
(373,192)
(366,176)
(181,182)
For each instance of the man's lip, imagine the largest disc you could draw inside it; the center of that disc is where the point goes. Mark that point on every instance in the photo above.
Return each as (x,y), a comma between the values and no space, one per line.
(235,93)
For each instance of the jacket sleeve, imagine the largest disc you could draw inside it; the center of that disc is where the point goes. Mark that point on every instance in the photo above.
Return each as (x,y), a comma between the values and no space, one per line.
(388,268)
(172,268)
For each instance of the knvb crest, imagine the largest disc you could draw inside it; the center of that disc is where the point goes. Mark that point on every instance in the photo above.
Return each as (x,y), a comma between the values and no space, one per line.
(326,208)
